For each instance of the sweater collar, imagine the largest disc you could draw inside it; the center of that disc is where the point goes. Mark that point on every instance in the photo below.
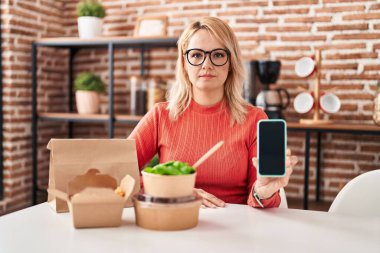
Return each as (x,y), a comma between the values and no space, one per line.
(218,107)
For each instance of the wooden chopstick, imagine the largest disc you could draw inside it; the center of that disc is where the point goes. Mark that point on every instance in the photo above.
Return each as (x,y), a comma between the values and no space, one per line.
(208,154)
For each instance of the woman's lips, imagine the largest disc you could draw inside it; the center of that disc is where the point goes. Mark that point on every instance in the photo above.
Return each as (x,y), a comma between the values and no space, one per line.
(207,76)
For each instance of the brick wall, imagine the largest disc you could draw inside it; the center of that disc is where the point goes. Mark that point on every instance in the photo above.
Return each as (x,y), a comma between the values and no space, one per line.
(23,22)
(347,31)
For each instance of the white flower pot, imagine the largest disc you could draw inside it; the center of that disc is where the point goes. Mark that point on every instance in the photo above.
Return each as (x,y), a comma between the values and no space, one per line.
(89,27)
(87,102)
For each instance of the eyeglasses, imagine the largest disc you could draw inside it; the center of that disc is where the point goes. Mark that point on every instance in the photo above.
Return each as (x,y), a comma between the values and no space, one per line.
(218,56)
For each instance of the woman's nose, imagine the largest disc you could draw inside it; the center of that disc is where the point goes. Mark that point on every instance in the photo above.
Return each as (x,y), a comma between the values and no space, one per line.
(207,63)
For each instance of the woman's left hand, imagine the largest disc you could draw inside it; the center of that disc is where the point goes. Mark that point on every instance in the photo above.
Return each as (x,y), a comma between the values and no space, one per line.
(209,200)
(265,187)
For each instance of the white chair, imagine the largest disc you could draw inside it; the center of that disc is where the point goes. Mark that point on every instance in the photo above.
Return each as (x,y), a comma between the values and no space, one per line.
(360,196)
(284,202)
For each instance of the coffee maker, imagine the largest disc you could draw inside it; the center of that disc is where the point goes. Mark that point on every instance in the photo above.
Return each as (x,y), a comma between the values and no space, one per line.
(261,75)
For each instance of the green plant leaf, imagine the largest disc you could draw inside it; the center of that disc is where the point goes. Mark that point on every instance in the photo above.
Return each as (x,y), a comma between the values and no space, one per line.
(155,160)
(90,8)
(89,82)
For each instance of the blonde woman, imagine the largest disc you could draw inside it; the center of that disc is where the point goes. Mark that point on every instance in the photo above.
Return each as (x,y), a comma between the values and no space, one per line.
(205,106)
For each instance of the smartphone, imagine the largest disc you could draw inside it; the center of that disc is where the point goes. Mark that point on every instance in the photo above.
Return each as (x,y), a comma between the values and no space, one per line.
(271,146)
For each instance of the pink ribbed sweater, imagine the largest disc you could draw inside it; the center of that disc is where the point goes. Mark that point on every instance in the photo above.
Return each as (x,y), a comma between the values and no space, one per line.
(228,174)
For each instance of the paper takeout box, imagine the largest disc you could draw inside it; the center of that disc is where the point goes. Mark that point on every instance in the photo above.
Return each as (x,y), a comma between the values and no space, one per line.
(92,200)
(72,157)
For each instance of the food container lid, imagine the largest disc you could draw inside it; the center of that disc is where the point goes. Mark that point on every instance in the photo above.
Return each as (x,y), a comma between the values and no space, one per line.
(160,200)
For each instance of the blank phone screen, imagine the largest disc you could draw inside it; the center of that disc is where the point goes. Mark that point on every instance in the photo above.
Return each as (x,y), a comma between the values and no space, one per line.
(272,148)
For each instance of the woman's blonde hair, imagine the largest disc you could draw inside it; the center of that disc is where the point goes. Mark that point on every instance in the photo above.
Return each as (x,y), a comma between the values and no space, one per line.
(180,94)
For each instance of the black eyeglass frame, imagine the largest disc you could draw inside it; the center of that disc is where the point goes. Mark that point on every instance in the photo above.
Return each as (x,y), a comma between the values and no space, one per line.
(209,55)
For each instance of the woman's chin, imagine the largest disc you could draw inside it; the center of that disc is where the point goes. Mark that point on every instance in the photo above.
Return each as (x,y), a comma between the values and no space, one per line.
(208,86)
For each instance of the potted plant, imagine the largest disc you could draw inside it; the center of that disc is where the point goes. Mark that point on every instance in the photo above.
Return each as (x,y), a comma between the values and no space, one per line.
(90,19)
(87,87)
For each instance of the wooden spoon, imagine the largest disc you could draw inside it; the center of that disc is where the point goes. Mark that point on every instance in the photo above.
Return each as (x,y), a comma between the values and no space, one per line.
(208,154)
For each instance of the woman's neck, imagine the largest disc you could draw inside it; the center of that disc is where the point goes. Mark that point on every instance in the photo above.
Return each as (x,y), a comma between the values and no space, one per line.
(207,98)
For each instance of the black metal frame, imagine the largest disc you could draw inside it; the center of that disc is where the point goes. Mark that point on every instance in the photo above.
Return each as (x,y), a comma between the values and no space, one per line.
(1,117)
(319,132)
(74,45)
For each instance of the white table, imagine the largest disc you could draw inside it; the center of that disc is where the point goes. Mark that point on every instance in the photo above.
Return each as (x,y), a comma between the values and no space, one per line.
(236,228)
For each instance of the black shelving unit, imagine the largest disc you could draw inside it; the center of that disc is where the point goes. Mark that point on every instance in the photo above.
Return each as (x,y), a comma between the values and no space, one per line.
(354,129)
(1,116)
(74,45)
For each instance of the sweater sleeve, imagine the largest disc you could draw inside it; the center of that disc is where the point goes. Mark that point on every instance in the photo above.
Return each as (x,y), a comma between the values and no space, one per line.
(145,135)
(273,201)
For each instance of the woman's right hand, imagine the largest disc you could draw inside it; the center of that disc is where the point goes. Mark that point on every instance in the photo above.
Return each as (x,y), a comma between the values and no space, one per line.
(209,200)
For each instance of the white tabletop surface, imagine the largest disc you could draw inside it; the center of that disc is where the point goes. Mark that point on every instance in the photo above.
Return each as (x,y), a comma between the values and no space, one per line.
(236,228)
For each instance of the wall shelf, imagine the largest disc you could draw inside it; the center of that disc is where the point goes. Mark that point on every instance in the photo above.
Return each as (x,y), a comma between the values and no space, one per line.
(127,118)
(75,117)
(73,45)
(103,42)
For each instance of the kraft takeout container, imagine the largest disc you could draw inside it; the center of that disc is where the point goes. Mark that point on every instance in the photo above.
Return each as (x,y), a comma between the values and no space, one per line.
(166,214)
(92,200)
(168,186)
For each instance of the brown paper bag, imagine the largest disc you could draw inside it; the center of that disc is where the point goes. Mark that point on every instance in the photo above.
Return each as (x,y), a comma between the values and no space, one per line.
(73,157)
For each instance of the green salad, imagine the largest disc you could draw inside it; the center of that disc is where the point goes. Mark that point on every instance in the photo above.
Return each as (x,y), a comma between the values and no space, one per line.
(171,168)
